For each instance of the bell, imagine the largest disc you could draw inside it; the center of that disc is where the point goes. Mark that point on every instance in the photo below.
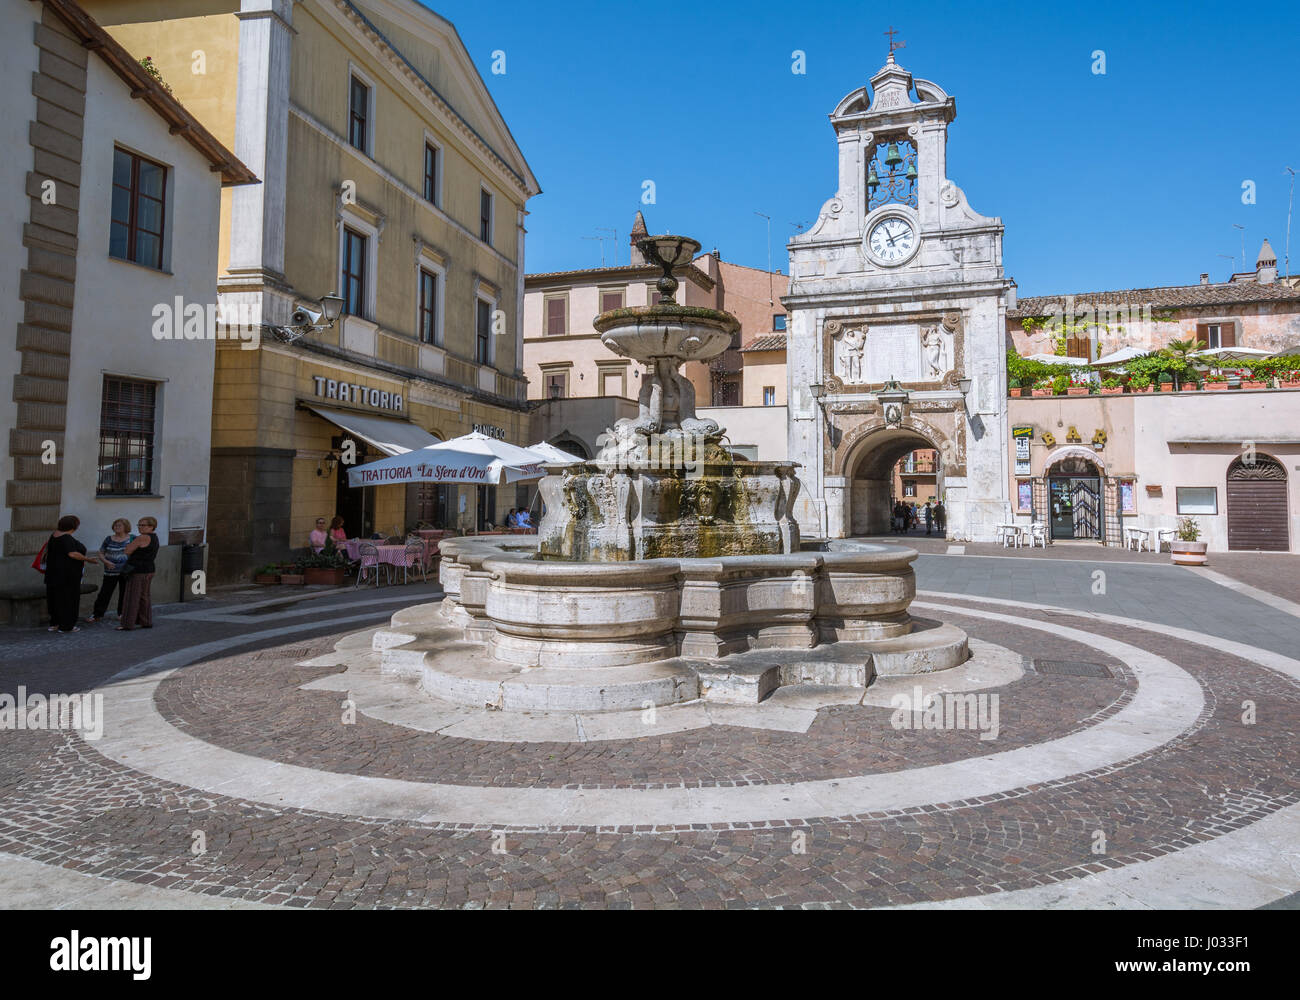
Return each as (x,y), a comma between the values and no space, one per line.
(873,181)
(892,156)
(911,172)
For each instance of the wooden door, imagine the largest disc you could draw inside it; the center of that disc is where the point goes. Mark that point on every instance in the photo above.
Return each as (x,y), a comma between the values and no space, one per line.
(1257,505)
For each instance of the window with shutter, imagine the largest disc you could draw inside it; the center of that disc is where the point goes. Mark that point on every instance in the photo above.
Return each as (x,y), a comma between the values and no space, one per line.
(555,317)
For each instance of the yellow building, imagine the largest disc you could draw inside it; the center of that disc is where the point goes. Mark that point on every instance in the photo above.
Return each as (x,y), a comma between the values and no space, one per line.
(389,178)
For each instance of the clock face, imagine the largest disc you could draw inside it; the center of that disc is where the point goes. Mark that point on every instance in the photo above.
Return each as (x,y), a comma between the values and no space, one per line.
(892,240)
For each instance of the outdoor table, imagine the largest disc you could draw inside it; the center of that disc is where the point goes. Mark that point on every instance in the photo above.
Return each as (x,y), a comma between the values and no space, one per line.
(432,533)
(1012,533)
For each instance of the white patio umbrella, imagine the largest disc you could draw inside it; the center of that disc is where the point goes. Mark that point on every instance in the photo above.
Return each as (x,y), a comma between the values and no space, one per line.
(1293,349)
(1120,356)
(474,459)
(1056,359)
(1230,354)
(553,455)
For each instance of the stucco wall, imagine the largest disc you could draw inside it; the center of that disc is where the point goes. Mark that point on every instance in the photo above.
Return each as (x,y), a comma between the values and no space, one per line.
(113,311)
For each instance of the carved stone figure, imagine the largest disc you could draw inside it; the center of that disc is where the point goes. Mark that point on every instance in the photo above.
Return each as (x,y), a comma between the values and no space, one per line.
(853,344)
(936,351)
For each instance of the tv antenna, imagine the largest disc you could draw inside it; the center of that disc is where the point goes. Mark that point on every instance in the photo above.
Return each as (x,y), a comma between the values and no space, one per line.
(601,240)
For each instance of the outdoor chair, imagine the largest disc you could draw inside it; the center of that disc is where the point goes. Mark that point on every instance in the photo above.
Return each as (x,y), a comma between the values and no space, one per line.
(369,559)
(1038,534)
(414,560)
(1164,535)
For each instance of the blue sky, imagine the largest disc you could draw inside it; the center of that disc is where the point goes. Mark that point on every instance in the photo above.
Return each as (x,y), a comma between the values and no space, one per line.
(1127,179)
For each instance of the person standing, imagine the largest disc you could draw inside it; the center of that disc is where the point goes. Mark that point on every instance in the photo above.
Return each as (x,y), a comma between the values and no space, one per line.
(929,516)
(140,555)
(112,550)
(65,560)
(941,518)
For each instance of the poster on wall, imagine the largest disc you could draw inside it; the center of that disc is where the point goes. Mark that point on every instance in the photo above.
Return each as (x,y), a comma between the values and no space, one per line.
(1024,496)
(1127,501)
(1022,436)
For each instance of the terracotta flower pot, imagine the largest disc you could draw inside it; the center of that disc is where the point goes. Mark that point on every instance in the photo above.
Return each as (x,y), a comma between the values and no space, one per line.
(1145,388)
(1077,390)
(1288,385)
(326,577)
(291,579)
(1042,392)
(1188,553)
(1112,391)
(1216,386)
(1189,387)
(266,578)
(1253,384)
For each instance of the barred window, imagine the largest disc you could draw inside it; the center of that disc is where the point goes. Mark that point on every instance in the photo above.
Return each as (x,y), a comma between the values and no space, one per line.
(126,431)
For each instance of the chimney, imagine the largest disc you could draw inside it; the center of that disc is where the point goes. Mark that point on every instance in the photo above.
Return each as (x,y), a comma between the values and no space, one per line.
(1266,265)
(1205,278)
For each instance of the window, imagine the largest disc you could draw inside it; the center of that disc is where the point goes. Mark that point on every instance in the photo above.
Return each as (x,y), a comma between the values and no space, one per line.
(359,115)
(354,272)
(1198,499)
(909,489)
(483,333)
(769,395)
(126,432)
(428,325)
(485,217)
(557,385)
(1078,347)
(611,299)
(612,382)
(139,209)
(557,316)
(431,172)
(778,321)
(653,297)
(1216,335)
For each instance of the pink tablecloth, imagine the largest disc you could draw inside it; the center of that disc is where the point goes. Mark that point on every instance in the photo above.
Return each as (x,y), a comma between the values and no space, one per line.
(393,555)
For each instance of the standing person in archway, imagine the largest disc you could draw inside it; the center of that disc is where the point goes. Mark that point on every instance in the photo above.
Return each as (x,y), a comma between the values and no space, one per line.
(929,516)
(941,518)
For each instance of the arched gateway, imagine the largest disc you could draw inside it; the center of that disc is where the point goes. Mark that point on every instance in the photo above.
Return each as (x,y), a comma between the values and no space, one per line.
(897,323)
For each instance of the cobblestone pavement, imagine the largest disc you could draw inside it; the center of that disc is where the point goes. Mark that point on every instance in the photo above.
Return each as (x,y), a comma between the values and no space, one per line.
(65,805)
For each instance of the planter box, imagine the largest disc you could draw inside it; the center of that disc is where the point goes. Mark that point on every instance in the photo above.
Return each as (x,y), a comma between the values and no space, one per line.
(1288,385)
(1077,391)
(1144,389)
(1188,553)
(1116,391)
(325,577)
(1216,386)
(1253,385)
(266,578)
(291,579)
(1190,387)
(1042,392)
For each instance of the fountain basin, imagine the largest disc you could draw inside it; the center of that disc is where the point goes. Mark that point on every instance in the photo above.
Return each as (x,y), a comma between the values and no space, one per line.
(683,333)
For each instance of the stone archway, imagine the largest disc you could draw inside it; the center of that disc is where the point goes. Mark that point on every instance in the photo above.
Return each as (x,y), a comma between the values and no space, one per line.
(866,459)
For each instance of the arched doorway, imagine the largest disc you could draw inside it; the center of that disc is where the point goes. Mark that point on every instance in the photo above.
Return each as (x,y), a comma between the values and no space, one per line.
(1257,514)
(1074,498)
(871,489)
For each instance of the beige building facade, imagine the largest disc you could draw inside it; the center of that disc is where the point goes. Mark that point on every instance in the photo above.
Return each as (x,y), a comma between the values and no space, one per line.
(390,178)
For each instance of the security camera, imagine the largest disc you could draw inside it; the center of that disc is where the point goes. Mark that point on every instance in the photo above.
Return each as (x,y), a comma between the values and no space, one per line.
(302,316)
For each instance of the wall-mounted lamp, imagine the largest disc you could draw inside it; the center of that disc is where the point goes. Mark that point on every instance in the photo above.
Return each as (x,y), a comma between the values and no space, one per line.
(964,385)
(326,466)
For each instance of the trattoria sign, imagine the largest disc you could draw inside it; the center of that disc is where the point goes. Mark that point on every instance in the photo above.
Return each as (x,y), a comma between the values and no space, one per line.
(357,394)
(408,469)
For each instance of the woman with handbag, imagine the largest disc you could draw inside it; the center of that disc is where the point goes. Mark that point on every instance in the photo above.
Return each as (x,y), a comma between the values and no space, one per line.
(65,559)
(137,605)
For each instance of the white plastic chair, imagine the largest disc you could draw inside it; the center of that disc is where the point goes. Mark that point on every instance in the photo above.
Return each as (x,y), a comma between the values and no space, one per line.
(1038,534)
(1165,535)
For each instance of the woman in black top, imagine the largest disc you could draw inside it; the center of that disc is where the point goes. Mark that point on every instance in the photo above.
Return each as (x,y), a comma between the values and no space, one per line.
(137,605)
(65,559)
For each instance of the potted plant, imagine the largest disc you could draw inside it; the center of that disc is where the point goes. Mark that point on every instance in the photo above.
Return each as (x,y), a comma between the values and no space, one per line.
(1043,387)
(1166,383)
(1288,380)
(1111,387)
(1013,387)
(1255,377)
(1191,385)
(1216,383)
(326,567)
(270,573)
(1187,549)
(1061,384)
(1139,383)
(291,575)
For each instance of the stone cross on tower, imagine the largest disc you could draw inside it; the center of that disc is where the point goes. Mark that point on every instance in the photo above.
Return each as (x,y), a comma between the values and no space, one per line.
(893,45)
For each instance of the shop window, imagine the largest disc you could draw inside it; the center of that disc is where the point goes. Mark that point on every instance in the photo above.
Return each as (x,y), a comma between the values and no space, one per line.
(1198,500)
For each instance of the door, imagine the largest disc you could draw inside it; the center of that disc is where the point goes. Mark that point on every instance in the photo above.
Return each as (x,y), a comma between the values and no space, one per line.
(355,505)
(1257,505)
(1061,508)
(1074,506)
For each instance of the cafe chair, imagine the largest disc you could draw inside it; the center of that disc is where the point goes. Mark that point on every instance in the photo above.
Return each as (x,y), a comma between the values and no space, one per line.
(413,561)
(369,560)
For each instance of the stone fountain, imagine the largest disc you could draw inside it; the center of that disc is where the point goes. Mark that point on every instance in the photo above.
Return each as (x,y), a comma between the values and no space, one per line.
(665,570)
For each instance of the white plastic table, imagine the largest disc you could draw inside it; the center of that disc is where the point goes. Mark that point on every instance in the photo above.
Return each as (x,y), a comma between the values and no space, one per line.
(1012,534)
(1142,536)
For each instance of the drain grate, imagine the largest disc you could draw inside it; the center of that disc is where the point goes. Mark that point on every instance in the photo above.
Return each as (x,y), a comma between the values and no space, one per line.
(1072,668)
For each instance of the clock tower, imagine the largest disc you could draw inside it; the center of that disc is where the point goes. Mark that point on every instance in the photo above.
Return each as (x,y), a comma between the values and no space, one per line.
(897,319)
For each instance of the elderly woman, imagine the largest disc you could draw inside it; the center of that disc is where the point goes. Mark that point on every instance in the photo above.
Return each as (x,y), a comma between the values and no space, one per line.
(112,550)
(65,559)
(141,551)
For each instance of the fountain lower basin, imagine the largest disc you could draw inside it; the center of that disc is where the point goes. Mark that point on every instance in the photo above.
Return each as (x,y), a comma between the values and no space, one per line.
(517,632)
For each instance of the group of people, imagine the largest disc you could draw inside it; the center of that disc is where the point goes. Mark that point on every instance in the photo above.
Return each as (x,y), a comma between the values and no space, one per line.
(128,560)
(519,517)
(319,535)
(907,516)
